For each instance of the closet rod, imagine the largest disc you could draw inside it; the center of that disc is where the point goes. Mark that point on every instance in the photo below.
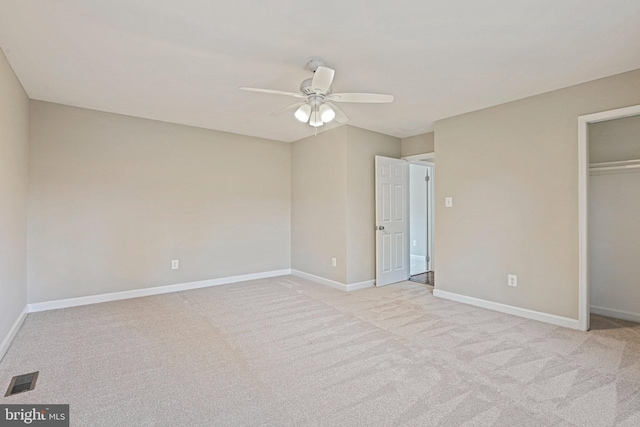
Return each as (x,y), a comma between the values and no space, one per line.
(618,163)
(615,168)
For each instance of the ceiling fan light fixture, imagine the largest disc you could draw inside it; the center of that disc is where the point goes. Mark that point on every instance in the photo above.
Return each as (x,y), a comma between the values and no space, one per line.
(326,113)
(315,120)
(303,113)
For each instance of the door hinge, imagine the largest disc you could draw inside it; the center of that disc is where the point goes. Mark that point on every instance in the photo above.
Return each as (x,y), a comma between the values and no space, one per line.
(427,178)
(428,258)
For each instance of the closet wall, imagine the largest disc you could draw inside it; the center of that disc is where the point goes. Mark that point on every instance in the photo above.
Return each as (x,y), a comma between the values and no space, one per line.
(614,218)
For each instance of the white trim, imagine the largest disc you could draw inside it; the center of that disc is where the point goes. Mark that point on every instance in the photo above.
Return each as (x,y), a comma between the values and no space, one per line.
(583,254)
(509,309)
(333,283)
(361,285)
(583,221)
(6,342)
(618,314)
(144,292)
(321,280)
(424,156)
(618,113)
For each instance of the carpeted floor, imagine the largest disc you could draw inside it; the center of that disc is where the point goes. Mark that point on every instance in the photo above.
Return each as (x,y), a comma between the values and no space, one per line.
(285,351)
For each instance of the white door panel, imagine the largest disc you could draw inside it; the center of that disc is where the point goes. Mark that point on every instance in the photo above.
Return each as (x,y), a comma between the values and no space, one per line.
(392,222)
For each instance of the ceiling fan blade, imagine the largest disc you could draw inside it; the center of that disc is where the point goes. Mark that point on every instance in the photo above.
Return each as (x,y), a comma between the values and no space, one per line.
(322,80)
(360,97)
(287,108)
(341,117)
(273,92)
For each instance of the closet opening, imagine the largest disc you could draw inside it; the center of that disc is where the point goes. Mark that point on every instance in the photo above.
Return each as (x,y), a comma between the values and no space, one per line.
(609,205)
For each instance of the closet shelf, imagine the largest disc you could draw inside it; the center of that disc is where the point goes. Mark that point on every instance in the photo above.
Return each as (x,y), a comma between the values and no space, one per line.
(615,167)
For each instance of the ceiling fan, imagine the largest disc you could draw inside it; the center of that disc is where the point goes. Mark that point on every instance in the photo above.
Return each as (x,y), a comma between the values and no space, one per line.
(318,106)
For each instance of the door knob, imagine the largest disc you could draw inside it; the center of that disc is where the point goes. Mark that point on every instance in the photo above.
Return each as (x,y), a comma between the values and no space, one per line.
(380,227)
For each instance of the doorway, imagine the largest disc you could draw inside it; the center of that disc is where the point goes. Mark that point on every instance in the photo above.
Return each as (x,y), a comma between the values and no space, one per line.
(586,170)
(421,172)
(393,216)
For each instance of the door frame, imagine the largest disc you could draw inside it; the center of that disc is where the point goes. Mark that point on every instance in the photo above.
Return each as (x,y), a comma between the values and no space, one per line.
(428,160)
(584,308)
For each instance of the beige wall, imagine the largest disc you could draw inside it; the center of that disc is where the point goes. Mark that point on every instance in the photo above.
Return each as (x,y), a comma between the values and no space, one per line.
(319,204)
(333,195)
(14,139)
(362,147)
(418,144)
(113,199)
(614,140)
(512,171)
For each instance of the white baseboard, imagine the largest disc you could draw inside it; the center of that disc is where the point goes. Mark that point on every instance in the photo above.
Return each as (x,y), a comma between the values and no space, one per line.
(333,283)
(509,309)
(618,314)
(321,280)
(136,293)
(6,342)
(361,285)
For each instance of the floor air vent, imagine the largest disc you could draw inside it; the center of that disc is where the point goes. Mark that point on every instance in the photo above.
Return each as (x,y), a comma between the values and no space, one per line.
(22,383)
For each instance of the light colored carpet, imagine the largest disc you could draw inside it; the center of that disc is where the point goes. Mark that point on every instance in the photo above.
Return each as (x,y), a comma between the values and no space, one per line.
(286,351)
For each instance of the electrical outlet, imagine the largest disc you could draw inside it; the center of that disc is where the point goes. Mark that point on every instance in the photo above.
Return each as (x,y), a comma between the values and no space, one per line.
(448,202)
(333,262)
(512,280)
(175,264)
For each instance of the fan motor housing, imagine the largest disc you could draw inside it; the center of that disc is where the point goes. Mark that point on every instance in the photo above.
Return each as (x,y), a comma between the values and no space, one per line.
(305,87)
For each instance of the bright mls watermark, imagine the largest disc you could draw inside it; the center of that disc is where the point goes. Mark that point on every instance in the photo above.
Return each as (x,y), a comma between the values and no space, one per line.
(34,415)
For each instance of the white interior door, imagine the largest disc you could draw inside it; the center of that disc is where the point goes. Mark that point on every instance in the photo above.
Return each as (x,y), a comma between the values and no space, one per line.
(392,220)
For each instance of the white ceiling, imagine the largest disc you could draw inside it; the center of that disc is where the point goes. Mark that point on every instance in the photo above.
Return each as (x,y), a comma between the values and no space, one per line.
(183,61)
